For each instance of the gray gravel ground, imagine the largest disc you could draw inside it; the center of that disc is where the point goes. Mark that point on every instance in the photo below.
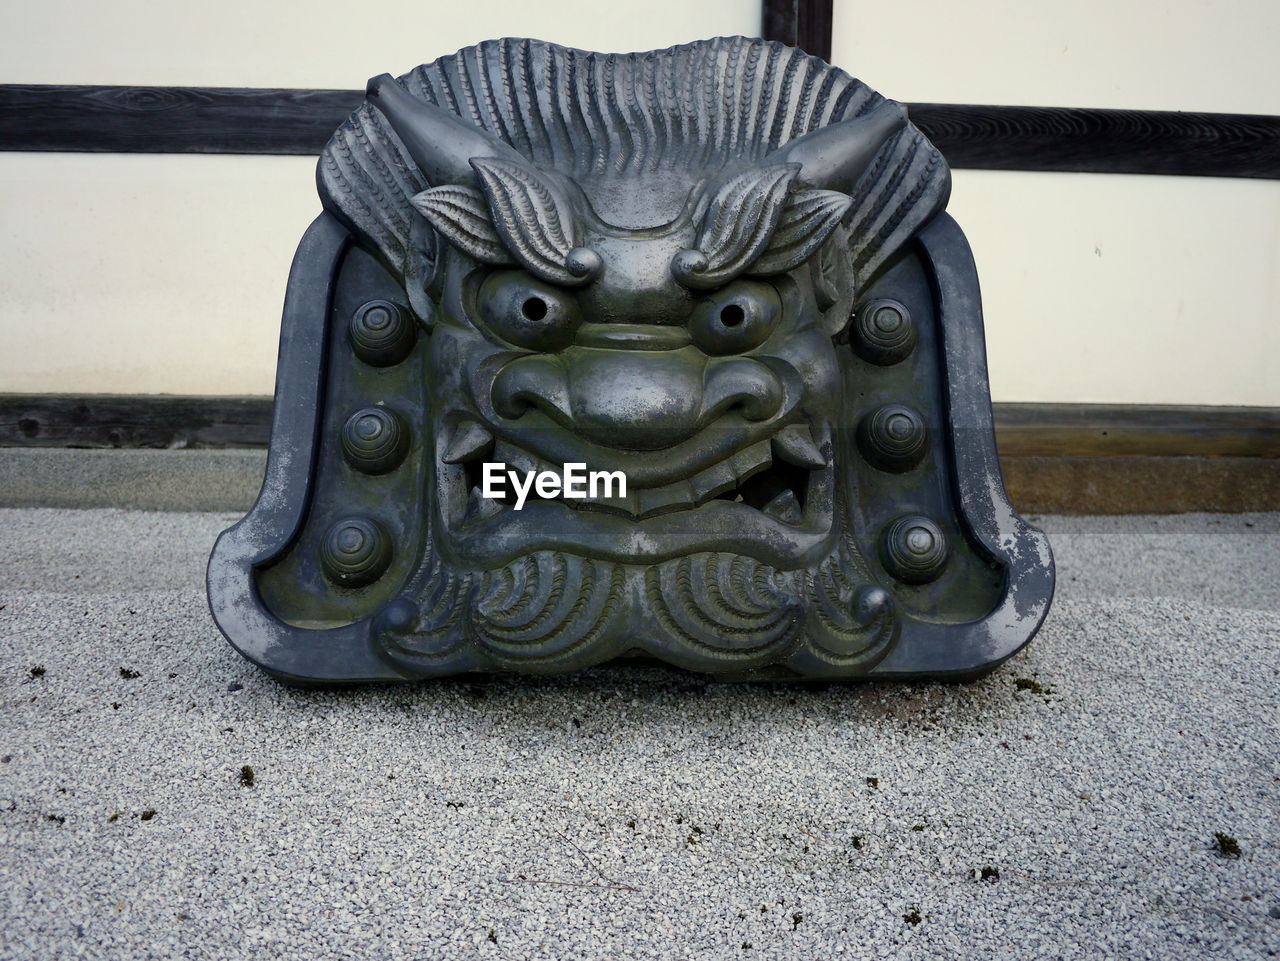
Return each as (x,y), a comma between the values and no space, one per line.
(640,812)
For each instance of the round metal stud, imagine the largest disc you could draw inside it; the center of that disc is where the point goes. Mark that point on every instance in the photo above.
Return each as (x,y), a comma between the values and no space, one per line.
(355,551)
(883,332)
(382,333)
(870,602)
(398,617)
(893,437)
(375,440)
(914,549)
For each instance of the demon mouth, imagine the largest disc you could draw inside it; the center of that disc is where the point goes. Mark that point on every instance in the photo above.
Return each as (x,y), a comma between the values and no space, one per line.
(773,476)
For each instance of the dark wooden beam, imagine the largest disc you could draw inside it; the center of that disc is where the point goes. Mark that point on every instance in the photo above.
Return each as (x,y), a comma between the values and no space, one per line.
(1056,458)
(1022,430)
(231,120)
(1131,430)
(127,421)
(170,119)
(1103,141)
(799,23)
(1142,485)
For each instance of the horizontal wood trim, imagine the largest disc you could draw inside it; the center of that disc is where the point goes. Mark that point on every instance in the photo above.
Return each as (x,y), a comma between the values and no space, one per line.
(229,479)
(129,421)
(1124,430)
(170,119)
(1056,458)
(1022,430)
(44,117)
(1083,140)
(1141,485)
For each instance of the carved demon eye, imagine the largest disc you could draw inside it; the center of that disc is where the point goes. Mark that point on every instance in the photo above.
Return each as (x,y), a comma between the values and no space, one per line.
(735,318)
(527,312)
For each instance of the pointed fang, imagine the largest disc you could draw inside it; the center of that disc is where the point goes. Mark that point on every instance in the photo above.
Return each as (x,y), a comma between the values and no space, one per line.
(470,441)
(795,445)
(480,508)
(784,507)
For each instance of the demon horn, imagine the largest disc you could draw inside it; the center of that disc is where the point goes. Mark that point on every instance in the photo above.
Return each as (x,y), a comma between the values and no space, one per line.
(440,143)
(835,157)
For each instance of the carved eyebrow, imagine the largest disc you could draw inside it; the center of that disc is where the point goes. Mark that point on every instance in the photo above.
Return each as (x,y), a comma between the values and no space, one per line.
(521,217)
(755,225)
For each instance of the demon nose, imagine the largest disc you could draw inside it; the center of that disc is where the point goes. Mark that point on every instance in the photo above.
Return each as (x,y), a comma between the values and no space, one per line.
(636,399)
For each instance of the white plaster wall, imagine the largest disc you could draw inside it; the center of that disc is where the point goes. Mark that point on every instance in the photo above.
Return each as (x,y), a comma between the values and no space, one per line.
(1215,55)
(165,273)
(1099,287)
(146,273)
(320,43)
(1110,288)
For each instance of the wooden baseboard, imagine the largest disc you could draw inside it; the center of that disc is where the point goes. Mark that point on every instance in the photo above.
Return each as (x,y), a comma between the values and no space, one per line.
(1136,430)
(1142,485)
(1056,458)
(132,421)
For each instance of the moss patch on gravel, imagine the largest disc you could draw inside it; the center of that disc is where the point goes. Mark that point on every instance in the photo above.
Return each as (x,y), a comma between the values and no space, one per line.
(1226,845)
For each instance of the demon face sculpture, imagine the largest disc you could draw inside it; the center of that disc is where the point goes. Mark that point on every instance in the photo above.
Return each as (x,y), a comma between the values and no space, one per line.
(718,278)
